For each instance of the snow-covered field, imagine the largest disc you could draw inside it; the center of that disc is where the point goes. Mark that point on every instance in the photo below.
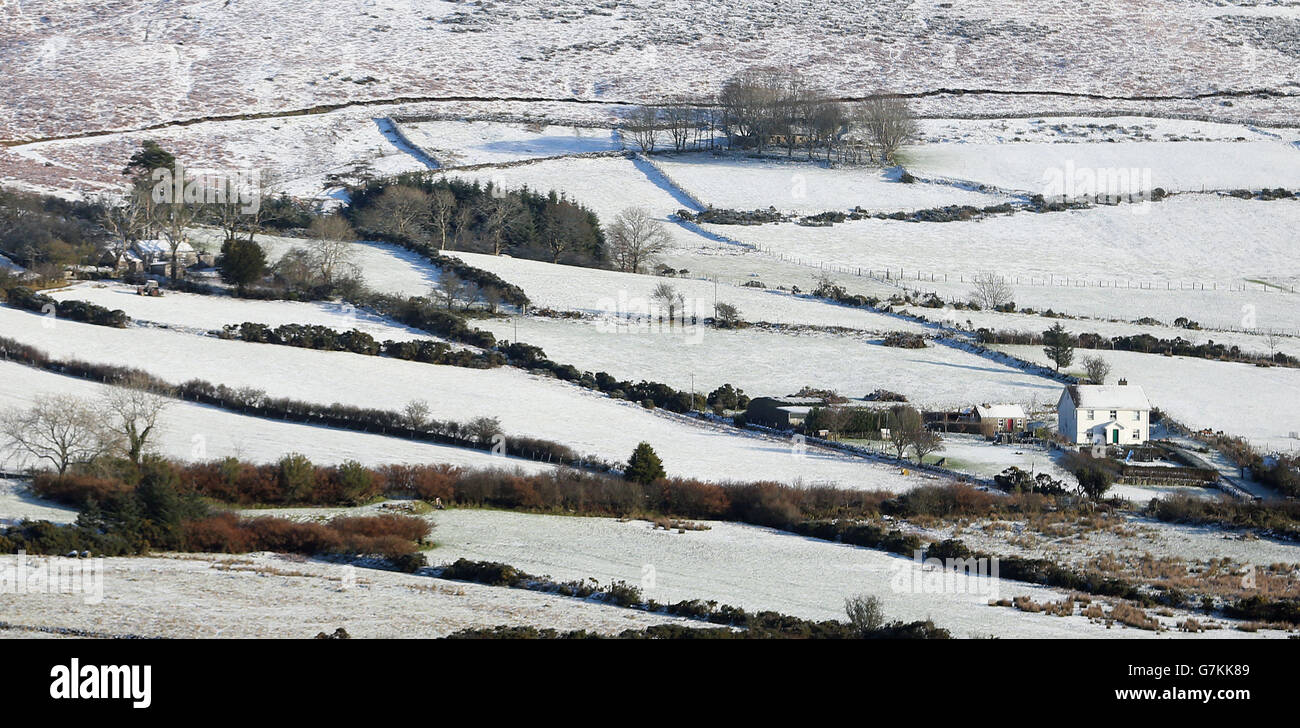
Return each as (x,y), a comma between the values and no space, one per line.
(197,433)
(198,313)
(17,504)
(457,143)
(1122,244)
(526,404)
(385,267)
(774,363)
(589,290)
(1089,130)
(1239,399)
(274,596)
(1191,166)
(808,187)
(754,568)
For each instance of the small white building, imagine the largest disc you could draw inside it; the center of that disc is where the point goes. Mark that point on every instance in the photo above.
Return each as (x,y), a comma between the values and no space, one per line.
(1001,417)
(158,254)
(1113,414)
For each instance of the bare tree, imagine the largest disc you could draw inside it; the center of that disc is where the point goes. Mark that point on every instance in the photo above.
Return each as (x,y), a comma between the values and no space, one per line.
(643,125)
(681,120)
(126,222)
(61,429)
(1097,369)
(442,208)
(175,220)
(888,123)
(1272,338)
(726,315)
(924,442)
(903,424)
(416,414)
(332,248)
(500,211)
(635,239)
(132,411)
(399,210)
(450,289)
(991,291)
(668,298)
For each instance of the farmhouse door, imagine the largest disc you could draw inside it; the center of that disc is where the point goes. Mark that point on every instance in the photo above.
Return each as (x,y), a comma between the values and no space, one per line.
(1114,436)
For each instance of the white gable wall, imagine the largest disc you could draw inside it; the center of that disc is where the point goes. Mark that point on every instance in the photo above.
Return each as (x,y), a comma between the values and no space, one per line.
(1089,425)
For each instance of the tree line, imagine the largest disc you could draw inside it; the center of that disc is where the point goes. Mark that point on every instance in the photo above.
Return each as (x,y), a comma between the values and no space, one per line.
(777,108)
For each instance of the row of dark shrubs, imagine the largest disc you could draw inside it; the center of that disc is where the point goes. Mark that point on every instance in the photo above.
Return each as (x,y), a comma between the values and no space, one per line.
(1143,343)
(83,311)
(756,625)
(131,508)
(324,338)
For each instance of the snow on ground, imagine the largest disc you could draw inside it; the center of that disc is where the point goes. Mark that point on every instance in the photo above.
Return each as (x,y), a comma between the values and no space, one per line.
(1239,399)
(383,266)
(1259,307)
(774,363)
(197,432)
(86,66)
(808,187)
(1256,343)
(194,312)
(455,143)
(590,290)
(754,568)
(1123,243)
(606,185)
(1086,130)
(526,404)
(275,596)
(17,504)
(1172,166)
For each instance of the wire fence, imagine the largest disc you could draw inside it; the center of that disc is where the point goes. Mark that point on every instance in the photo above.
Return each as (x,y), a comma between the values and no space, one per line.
(905,275)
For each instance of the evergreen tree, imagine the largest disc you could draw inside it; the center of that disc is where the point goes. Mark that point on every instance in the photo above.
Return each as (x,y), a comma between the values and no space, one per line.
(242,262)
(1059,346)
(644,466)
(151,156)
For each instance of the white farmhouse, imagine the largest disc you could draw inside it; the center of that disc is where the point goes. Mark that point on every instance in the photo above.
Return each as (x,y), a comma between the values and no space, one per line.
(1115,414)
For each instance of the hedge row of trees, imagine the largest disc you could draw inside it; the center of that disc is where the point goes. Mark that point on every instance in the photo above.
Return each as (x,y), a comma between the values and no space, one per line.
(324,338)
(779,108)
(83,311)
(1142,343)
(453,214)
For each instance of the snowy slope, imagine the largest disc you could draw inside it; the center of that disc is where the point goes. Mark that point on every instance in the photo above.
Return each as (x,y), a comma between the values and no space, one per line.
(196,432)
(209,313)
(526,404)
(807,187)
(769,363)
(755,568)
